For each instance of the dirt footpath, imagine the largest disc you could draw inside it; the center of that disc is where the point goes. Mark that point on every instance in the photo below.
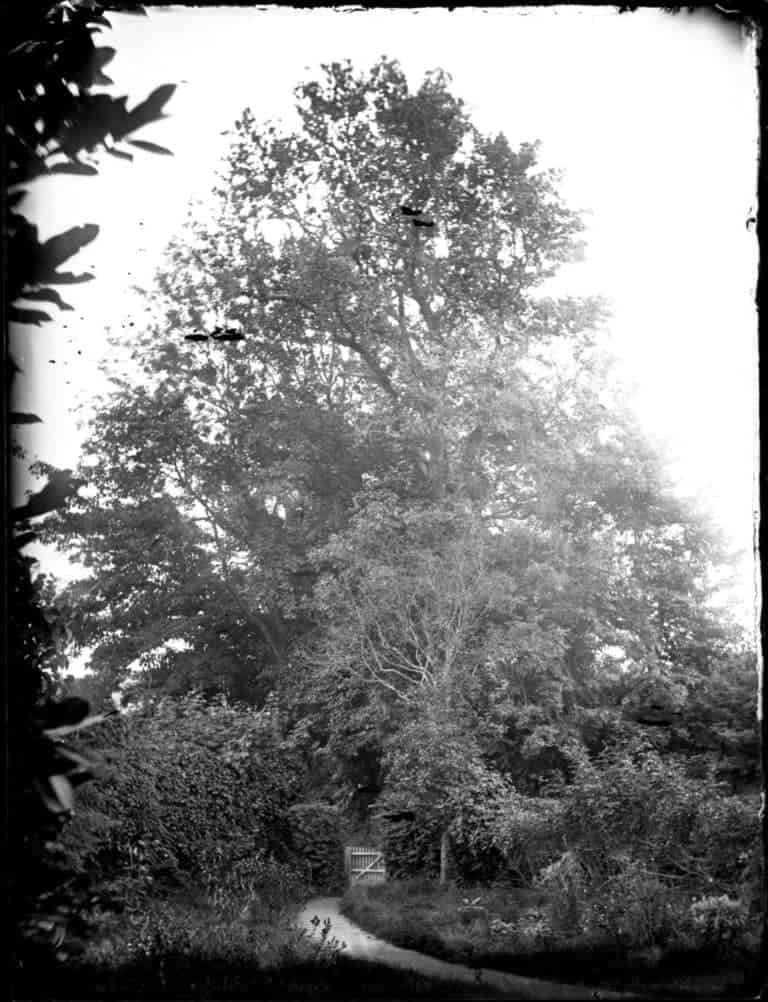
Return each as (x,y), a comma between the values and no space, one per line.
(360,943)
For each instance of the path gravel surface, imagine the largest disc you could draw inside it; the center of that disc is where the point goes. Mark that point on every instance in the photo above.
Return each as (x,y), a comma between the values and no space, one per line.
(360,943)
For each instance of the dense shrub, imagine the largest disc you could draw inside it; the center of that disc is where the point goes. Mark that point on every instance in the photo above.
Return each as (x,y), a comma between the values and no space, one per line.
(189,788)
(478,855)
(726,837)
(438,783)
(635,909)
(432,769)
(257,888)
(316,834)
(643,835)
(410,840)
(718,921)
(496,834)
(527,831)
(632,802)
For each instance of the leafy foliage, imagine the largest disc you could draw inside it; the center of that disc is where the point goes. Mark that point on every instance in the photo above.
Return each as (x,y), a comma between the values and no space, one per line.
(399,361)
(275,435)
(56,124)
(633,803)
(191,789)
(407,497)
(719,919)
(51,119)
(316,835)
(532,931)
(436,783)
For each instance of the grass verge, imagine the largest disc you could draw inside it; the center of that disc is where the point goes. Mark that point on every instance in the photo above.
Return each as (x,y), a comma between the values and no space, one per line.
(186,947)
(467,925)
(185,977)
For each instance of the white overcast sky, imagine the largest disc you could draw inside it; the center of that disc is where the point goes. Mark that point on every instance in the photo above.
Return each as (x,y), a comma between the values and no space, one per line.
(652,117)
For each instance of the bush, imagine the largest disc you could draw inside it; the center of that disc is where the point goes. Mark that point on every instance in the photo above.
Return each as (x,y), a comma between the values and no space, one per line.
(258,889)
(410,841)
(478,855)
(636,909)
(190,788)
(438,783)
(632,802)
(527,833)
(532,931)
(496,834)
(316,835)
(566,882)
(726,837)
(718,921)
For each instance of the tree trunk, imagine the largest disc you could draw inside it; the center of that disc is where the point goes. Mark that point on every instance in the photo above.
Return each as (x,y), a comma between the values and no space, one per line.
(445,847)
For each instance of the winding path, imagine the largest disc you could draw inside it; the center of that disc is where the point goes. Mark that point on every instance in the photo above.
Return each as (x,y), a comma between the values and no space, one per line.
(360,943)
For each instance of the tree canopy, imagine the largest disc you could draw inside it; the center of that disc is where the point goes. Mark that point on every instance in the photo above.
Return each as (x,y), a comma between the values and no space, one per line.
(369,463)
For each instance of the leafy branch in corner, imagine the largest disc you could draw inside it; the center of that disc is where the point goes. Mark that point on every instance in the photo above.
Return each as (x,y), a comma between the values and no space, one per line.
(53,124)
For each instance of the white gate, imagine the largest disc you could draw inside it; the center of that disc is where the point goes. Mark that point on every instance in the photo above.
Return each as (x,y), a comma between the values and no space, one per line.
(364,865)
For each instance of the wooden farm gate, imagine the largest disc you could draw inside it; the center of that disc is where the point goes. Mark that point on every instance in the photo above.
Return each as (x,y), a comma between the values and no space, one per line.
(364,865)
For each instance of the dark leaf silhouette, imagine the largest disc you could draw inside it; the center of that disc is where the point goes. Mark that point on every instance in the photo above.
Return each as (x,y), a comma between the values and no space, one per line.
(24,539)
(150,147)
(408,211)
(20,417)
(50,46)
(118,153)
(69,278)
(74,168)
(101,57)
(150,110)
(60,487)
(100,116)
(20,316)
(47,296)
(32,263)
(195,337)
(64,245)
